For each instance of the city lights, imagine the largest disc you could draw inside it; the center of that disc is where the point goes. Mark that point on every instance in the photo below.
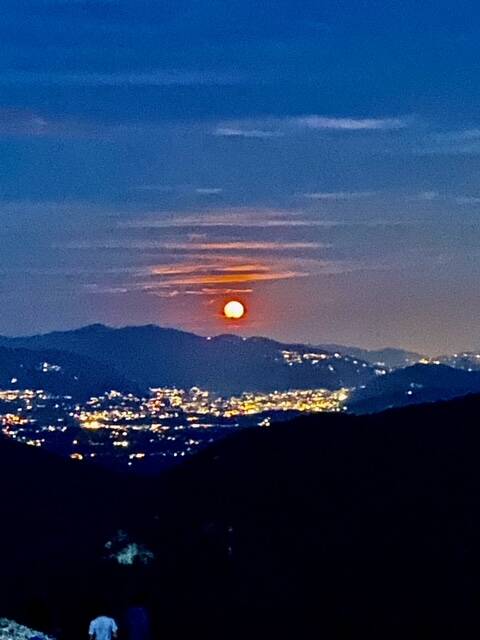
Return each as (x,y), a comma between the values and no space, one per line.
(170,423)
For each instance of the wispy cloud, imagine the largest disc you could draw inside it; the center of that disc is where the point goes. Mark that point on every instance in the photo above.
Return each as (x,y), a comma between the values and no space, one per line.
(216,273)
(238,219)
(187,269)
(183,190)
(208,191)
(233,131)
(229,218)
(208,291)
(166,255)
(226,278)
(226,246)
(243,245)
(200,264)
(274,127)
(436,196)
(338,195)
(349,124)
(209,277)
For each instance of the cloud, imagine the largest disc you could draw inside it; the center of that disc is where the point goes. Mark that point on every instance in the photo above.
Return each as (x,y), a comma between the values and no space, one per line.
(130,258)
(208,291)
(183,190)
(242,245)
(229,218)
(274,127)
(349,124)
(226,278)
(209,277)
(224,246)
(238,132)
(435,196)
(339,195)
(215,273)
(208,191)
(99,289)
(247,218)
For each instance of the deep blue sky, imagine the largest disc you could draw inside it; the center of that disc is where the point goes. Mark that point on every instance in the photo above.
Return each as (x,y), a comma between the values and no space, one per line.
(319,160)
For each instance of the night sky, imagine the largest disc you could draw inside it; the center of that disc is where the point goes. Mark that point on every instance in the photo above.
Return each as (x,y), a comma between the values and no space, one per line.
(319,161)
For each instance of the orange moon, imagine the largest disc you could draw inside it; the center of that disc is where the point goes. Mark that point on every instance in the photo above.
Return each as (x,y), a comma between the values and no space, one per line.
(234,310)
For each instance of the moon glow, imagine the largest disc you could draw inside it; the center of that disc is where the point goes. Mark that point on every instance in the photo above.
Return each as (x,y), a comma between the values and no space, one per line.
(234,310)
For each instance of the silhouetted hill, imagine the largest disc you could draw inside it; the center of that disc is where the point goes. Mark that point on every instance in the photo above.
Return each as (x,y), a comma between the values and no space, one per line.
(154,356)
(342,523)
(389,357)
(413,385)
(59,373)
(56,517)
(468,360)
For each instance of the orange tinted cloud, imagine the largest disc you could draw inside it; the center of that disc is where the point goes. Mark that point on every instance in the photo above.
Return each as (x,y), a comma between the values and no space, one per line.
(243,245)
(221,278)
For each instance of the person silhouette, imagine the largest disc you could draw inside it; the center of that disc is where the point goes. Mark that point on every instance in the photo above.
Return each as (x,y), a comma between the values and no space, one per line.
(103,628)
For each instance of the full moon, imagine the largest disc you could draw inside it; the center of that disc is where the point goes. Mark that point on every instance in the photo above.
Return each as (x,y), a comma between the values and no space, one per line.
(234,310)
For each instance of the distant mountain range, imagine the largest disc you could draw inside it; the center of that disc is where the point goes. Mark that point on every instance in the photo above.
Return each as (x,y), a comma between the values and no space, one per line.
(60,373)
(97,358)
(413,385)
(152,356)
(470,361)
(388,357)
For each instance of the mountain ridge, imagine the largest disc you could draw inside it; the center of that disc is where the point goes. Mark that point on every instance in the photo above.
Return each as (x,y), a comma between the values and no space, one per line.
(417,384)
(59,373)
(156,356)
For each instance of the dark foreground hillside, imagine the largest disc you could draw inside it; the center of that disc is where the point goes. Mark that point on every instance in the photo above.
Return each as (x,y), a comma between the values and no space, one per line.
(338,522)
